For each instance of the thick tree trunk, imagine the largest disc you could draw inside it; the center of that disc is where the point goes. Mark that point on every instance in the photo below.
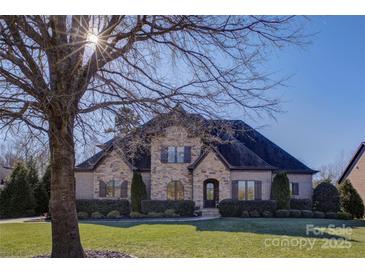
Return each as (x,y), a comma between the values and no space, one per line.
(65,230)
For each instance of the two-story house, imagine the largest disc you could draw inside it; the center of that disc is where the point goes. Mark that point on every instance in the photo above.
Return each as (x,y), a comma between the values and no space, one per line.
(178,164)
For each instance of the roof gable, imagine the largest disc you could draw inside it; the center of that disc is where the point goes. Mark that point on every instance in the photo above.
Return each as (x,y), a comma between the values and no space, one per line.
(354,160)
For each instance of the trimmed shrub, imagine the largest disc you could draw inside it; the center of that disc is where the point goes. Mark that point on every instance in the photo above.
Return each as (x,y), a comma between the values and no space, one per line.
(82,215)
(301,204)
(183,208)
(170,213)
(155,214)
(267,214)
(138,192)
(331,215)
(103,206)
(230,208)
(307,213)
(234,208)
(282,213)
(326,197)
(295,213)
(245,214)
(97,215)
(113,214)
(135,214)
(254,213)
(280,191)
(344,215)
(318,214)
(350,200)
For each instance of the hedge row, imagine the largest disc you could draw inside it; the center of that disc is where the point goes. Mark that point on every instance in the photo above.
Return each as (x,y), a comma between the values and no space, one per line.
(103,206)
(234,208)
(294,213)
(183,208)
(301,204)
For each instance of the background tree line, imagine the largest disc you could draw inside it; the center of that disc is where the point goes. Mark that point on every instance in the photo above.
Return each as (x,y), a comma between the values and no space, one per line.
(25,193)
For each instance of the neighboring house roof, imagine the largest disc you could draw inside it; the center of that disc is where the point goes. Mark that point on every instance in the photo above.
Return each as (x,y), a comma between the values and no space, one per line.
(247,149)
(355,158)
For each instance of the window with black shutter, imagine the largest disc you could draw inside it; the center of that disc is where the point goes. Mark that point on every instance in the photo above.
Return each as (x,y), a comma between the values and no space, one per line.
(247,190)
(235,190)
(172,154)
(258,190)
(124,190)
(187,154)
(294,189)
(102,189)
(164,154)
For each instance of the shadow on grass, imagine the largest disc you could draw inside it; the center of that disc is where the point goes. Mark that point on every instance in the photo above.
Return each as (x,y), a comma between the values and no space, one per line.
(268,226)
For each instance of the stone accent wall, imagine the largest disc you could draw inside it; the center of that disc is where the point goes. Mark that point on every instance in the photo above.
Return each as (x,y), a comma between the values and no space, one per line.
(84,185)
(163,173)
(305,185)
(357,176)
(265,176)
(112,167)
(211,167)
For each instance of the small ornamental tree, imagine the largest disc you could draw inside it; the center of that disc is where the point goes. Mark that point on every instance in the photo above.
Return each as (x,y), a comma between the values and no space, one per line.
(280,190)
(326,197)
(138,192)
(350,199)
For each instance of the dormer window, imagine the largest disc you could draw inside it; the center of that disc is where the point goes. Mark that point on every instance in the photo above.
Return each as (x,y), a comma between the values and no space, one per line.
(172,154)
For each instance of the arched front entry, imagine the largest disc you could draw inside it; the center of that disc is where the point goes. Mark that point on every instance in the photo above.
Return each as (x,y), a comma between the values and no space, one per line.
(211,193)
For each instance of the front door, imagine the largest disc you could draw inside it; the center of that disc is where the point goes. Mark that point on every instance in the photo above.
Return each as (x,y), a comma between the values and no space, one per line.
(211,193)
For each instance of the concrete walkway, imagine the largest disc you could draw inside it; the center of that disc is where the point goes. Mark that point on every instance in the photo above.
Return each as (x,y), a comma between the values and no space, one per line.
(140,220)
(22,220)
(151,220)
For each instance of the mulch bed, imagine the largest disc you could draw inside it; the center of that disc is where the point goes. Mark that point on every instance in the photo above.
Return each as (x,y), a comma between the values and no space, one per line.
(98,254)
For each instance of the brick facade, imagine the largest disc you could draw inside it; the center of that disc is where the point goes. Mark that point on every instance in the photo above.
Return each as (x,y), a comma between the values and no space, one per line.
(113,167)
(163,173)
(211,168)
(357,176)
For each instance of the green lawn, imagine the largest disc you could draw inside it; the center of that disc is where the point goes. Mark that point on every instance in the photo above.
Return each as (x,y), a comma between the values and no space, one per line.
(228,237)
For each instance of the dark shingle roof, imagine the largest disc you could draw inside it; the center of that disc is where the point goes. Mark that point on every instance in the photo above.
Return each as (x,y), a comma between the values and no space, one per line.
(267,150)
(247,149)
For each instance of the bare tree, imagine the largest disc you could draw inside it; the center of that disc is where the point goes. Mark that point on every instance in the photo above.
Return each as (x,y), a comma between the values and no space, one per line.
(332,171)
(62,76)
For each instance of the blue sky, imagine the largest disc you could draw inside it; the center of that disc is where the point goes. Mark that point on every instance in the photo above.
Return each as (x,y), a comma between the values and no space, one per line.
(324,102)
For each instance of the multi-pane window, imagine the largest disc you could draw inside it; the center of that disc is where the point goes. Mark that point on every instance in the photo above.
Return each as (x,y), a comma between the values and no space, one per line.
(248,190)
(294,189)
(175,191)
(175,154)
(124,190)
(113,189)
(241,190)
(180,154)
(210,191)
(171,152)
